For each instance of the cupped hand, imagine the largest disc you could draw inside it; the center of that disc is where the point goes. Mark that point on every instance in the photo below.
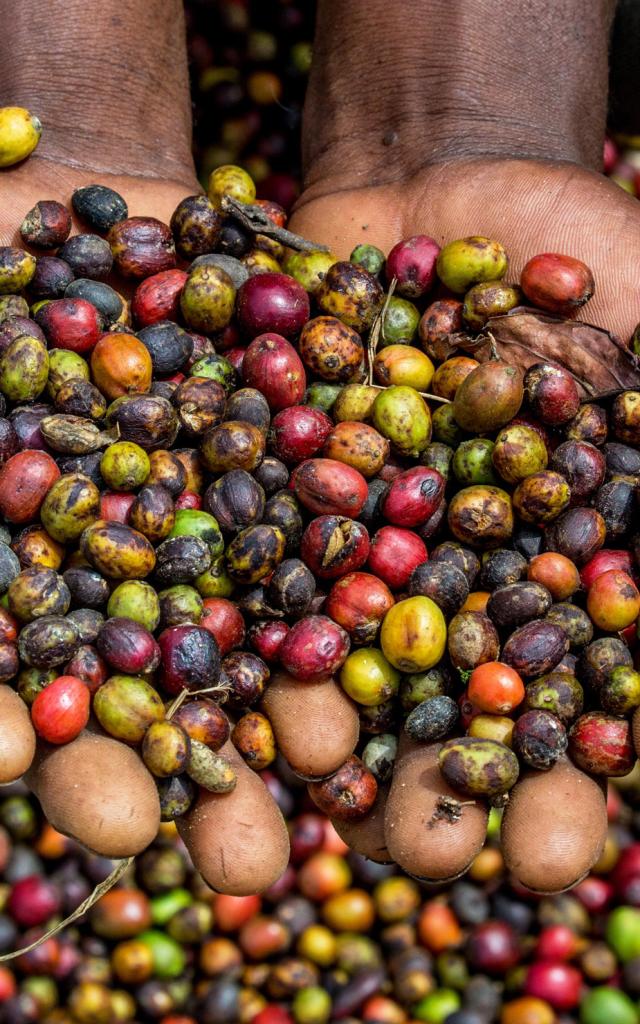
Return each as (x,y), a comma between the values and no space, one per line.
(555,823)
(95,788)
(42,178)
(88,800)
(529,206)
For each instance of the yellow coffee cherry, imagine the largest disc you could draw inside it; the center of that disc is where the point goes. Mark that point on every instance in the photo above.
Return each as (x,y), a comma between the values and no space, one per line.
(20,133)
(230,180)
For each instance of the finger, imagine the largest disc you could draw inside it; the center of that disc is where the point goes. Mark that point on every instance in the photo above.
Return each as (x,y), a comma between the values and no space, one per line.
(17,737)
(238,841)
(367,836)
(316,726)
(97,790)
(554,827)
(431,831)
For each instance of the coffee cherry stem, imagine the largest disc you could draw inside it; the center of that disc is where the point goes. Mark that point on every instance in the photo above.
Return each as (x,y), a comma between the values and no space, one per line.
(182,696)
(423,394)
(122,866)
(253,218)
(376,330)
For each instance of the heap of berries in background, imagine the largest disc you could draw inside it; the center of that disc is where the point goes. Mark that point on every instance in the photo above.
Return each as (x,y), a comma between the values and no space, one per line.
(622,163)
(337,938)
(249,64)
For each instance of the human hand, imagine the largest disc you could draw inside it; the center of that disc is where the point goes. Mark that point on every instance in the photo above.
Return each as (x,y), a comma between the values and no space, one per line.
(530,206)
(110,85)
(481,126)
(95,788)
(40,177)
(554,827)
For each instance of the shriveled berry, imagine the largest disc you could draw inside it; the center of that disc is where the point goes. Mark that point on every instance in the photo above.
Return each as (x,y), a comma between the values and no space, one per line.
(539,739)
(47,225)
(349,794)
(99,206)
(433,719)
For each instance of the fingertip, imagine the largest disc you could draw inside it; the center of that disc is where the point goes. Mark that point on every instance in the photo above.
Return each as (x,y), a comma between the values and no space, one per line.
(554,827)
(431,831)
(17,736)
(315,724)
(97,790)
(238,841)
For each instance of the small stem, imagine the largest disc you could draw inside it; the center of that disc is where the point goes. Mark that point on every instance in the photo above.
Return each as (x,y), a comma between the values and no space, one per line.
(492,345)
(100,890)
(423,394)
(182,696)
(253,218)
(376,331)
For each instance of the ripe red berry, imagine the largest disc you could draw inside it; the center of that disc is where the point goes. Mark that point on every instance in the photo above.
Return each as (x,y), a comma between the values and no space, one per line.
(61,710)
(557,283)
(72,324)
(558,983)
(32,901)
(557,942)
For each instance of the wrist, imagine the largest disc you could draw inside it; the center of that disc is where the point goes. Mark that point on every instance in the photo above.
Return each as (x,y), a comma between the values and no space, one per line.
(108,80)
(448,80)
(378,155)
(126,152)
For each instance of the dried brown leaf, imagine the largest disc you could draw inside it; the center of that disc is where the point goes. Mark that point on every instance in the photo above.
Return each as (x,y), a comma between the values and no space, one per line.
(600,363)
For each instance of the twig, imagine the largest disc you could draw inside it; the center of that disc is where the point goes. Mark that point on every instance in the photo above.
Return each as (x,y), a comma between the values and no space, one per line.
(376,330)
(493,347)
(182,696)
(253,218)
(423,394)
(374,340)
(120,869)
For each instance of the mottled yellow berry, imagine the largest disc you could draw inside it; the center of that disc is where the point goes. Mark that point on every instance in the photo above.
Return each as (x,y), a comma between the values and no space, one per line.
(230,180)
(20,133)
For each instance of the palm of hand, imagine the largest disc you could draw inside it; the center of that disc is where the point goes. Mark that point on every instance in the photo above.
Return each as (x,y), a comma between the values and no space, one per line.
(38,178)
(529,206)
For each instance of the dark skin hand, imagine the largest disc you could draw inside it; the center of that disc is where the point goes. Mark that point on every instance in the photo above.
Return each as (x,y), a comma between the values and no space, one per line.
(454,119)
(451,119)
(443,117)
(115,112)
(109,82)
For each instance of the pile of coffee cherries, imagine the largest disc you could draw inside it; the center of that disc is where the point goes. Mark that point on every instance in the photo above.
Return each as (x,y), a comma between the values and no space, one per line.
(272,478)
(336,938)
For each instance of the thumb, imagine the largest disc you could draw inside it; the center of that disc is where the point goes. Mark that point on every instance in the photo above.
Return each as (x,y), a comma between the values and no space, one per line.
(430,832)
